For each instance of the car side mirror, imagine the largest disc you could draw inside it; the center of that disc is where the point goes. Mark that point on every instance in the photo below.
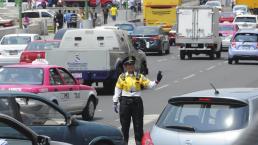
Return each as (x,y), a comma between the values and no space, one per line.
(71,120)
(43,140)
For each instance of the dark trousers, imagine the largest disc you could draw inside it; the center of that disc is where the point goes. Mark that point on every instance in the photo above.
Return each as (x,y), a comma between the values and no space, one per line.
(114,18)
(132,108)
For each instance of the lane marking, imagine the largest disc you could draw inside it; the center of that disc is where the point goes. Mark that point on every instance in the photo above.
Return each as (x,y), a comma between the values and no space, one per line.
(225,62)
(210,68)
(201,71)
(162,60)
(176,81)
(161,87)
(99,110)
(188,77)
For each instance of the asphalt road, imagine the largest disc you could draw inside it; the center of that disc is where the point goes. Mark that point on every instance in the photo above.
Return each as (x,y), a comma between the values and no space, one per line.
(180,77)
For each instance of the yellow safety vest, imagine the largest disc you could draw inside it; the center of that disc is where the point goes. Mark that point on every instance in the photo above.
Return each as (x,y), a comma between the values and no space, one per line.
(113,11)
(132,83)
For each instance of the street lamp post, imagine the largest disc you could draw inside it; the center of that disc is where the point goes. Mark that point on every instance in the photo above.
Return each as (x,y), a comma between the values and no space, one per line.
(86,9)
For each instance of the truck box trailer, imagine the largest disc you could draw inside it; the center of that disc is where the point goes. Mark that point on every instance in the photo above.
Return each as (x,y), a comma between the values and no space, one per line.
(198,31)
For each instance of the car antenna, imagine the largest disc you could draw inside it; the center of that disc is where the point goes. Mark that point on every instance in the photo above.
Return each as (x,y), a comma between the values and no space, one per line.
(216,91)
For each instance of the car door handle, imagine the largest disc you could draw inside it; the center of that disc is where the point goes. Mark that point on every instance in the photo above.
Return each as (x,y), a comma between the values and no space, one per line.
(70,89)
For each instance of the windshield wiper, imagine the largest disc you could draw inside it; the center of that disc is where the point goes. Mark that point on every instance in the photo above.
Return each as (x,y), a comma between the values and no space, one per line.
(182,127)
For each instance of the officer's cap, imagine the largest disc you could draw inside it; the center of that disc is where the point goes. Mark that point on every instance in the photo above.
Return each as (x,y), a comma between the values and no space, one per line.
(129,60)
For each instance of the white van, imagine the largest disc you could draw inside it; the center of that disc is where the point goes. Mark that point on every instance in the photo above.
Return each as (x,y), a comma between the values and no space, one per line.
(96,55)
(40,14)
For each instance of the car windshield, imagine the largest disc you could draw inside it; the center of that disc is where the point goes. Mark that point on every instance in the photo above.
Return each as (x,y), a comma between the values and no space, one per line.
(246,19)
(146,31)
(42,45)
(30,111)
(204,116)
(227,15)
(18,75)
(213,4)
(226,28)
(246,37)
(16,40)
(126,27)
(244,9)
(59,34)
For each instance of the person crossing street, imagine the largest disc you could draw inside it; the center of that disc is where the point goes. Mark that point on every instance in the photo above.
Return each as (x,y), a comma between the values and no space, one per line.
(128,93)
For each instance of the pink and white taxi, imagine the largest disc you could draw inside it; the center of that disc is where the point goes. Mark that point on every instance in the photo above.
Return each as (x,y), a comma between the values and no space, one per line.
(53,82)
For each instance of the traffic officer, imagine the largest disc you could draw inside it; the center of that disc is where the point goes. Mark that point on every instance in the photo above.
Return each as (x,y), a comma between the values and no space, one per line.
(128,93)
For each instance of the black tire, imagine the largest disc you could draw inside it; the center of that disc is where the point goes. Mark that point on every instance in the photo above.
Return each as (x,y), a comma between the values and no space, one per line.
(218,55)
(161,52)
(89,111)
(109,85)
(236,61)
(182,55)
(189,55)
(168,51)
(230,61)
(211,55)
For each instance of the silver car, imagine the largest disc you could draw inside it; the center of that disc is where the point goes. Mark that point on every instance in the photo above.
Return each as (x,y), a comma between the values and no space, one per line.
(205,118)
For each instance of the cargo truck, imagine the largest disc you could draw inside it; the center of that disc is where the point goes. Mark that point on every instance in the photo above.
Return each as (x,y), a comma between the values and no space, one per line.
(160,13)
(252,4)
(198,31)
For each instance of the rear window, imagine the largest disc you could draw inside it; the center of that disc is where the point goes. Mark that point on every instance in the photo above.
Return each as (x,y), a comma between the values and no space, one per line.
(246,37)
(16,40)
(42,45)
(227,15)
(126,27)
(226,28)
(246,19)
(31,14)
(204,116)
(146,31)
(26,76)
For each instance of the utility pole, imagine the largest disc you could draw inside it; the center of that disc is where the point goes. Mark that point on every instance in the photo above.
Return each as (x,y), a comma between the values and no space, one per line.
(86,7)
(20,13)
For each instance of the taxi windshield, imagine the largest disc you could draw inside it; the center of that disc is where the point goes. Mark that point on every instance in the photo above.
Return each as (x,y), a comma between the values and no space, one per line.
(146,31)
(26,76)
(42,45)
(16,40)
(226,28)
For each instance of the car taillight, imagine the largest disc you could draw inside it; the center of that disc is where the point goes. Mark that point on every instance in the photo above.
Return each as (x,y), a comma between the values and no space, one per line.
(29,57)
(146,140)
(233,44)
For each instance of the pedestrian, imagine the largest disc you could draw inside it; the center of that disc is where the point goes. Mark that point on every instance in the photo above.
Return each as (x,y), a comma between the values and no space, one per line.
(113,12)
(105,13)
(67,18)
(60,19)
(74,19)
(26,22)
(81,17)
(139,6)
(128,93)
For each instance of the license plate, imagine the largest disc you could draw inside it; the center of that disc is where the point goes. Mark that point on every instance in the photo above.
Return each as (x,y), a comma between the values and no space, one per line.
(77,75)
(13,52)
(245,47)
(194,45)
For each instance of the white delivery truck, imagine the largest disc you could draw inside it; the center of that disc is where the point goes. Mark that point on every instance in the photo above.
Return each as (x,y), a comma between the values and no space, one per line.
(96,55)
(198,31)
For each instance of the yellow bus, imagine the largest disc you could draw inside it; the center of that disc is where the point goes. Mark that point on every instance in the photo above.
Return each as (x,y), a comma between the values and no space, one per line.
(160,13)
